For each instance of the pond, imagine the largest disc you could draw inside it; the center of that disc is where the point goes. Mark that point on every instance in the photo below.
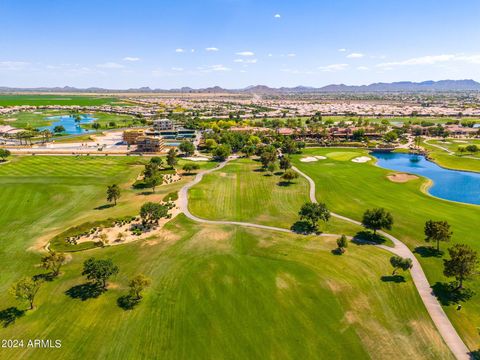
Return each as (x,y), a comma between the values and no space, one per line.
(71,125)
(461,186)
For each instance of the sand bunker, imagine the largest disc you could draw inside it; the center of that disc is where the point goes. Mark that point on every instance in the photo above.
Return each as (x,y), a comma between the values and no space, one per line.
(197,158)
(308,159)
(312,158)
(361,159)
(401,178)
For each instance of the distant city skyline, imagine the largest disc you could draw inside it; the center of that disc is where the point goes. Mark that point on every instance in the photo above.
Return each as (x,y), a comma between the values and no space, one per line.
(236,43)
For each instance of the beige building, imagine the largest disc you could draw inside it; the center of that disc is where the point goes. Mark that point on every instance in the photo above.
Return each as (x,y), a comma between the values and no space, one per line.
(150,144)
(131,136)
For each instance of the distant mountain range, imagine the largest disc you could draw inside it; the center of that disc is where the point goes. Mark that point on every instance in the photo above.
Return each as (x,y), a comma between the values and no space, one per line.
(403,86)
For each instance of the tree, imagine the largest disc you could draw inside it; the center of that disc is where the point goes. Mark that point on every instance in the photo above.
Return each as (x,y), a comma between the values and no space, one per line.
(222,152)
(377,219)
(172,157)
(151,212)
(437,231)
(153,181)
(342,243)
(285,163)
(58,129)
(314,212)
(210,144)
(187,147)
(96,125)
(53,261)
(267,154)
(248,150)
(400,263)
(289,175)
(188,168)
(26,289)
(137,285)
(462,263)
(113,193)
(4,154)
(272,167)
(390,136)
(99,271)
(156,161)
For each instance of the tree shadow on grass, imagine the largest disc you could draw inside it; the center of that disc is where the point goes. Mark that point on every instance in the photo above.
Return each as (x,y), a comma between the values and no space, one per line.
(365,237)
(428,251)
(145,193)
(303,227)
(447,295)
(9,315)
(337,251)
(103,207)
(475,355)
(44,277)
(85,291)
(393,278)
(127,302)
(285,183)
(259,170)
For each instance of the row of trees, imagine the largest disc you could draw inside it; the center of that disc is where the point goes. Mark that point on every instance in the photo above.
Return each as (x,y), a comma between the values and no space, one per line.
(97,271)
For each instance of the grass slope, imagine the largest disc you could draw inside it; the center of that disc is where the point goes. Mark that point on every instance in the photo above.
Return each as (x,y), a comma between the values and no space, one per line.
(242,192)
(228,292)
(458,161)
(350,188)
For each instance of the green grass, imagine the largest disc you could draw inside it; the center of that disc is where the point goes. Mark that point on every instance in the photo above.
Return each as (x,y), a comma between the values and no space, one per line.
(459,160)
(242,192)
(233,293)
(349,189)
(40,100)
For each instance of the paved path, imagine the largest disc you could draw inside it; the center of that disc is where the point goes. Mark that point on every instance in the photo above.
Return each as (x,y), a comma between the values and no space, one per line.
(450,152)
(183,205)
(440,319)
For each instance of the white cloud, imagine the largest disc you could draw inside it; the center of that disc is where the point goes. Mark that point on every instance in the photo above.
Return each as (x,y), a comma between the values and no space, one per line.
(214,49)
(342,50)
(131,58)
(246,61)
(291,55)
(110,65)
(433,60)
(333,67)
(179,50)
(192,50)
(270,55)
(212,68)
(13,65)
(355,56)
(362,68)
(245,53)
(177,69)
(277,16)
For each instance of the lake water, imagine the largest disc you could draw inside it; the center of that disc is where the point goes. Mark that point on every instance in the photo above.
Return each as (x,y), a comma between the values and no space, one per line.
(69,123)
(462,186)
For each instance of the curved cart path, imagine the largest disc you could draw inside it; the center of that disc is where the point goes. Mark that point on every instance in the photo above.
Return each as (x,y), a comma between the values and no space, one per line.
(440,319)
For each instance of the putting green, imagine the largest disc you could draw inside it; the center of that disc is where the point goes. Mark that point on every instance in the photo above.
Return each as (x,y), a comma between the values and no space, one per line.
(341,155)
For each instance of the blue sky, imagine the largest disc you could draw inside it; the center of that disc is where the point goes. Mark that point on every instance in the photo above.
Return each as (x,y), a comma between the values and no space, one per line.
(236,43)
